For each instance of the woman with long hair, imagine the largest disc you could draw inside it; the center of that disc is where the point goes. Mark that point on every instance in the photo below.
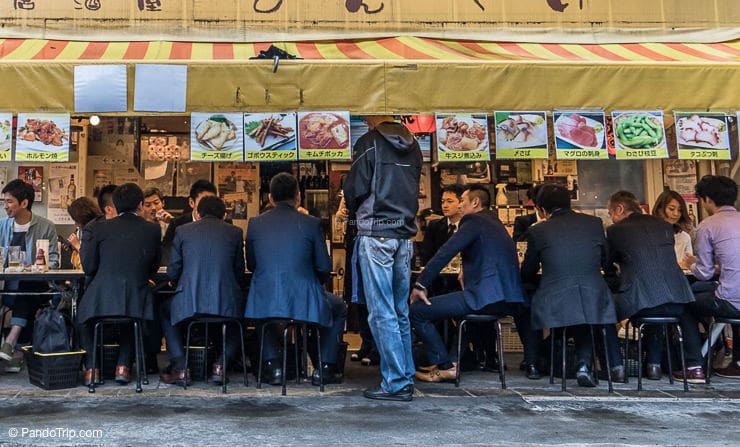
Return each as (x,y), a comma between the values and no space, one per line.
(671,207)
(82,210)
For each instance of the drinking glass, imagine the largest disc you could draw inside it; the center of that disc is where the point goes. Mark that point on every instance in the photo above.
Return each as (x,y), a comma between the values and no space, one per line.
(22,263)
(14,258)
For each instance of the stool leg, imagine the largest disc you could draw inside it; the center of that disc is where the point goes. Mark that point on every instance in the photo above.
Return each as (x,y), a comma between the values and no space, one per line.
(552,356)
(101,352)
(244,352)
(187,355)
(139,354)
(593,353)
(565,348)
(709,351)
(223,356)
(304,354)
(262,348)
(608,365)
(144,376)
(285,356)
(318,354)
(459,350)
(91,387)
(304,363)
(668,354)
(627,352)
(500,348)
(639,356)
(206,374)
(683,359)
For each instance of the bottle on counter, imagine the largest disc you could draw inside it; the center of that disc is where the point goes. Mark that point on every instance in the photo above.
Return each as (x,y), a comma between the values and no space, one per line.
(71,189)
(40,265)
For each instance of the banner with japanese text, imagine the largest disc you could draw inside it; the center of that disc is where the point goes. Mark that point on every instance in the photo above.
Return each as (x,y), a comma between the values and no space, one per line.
(462,137)
(216,136)
(270,137)
(324,136)
(580,135)
(702,136)
(639,134)
(521,135)
(42,137)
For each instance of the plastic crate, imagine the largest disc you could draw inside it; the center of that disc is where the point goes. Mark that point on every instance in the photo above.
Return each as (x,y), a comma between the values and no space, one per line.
(53,371)
(200,360)
(110,360)
(512,343)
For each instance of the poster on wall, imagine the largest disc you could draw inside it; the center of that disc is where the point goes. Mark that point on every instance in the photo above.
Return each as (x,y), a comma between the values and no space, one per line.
(521,135)
(702,136)
(165,147)
(324,136)
(580,135)
(42,137)
(216,137)
(639,134)
(34,176)
(188,173)
(6,137)
(63,181)
(462,137)
(270,137)
(241,179)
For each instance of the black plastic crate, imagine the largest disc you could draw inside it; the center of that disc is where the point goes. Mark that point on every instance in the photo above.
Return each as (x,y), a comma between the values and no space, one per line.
(53,371)
(200,360)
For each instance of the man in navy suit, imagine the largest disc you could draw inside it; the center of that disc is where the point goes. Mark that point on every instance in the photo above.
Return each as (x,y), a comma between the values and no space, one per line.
(286,253)
(491,281)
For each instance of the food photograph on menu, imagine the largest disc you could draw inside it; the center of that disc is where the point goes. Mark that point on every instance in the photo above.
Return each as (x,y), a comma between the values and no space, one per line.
(639,134)
(42,137)
(462,137)
(580,135)
(702,136)
(6,135)
(521,134)
(270,136)
(324,136)
(216,137)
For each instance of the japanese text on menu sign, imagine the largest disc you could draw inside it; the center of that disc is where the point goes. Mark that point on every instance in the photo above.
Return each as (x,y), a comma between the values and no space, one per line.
(270,137)
(580,135)
(639,134)
(462,137)
(521,135)
(42,137)
(702,136)
(324,136)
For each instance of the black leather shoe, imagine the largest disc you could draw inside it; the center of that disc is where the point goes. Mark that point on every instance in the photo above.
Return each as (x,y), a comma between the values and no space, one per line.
(532,372)
(653,372)
(619,374)
(330,374)
(405,394)
(271,373)
(585,377)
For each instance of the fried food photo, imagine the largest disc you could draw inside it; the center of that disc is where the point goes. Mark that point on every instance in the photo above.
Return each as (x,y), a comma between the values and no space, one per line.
(269,127)
(459,135)
(44,131)
(324,130)
(216,133)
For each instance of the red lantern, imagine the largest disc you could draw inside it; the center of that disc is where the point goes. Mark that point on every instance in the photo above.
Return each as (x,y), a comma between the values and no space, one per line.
(419,123)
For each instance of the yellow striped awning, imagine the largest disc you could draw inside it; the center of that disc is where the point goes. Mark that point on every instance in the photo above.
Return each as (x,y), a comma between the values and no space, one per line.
(398,48)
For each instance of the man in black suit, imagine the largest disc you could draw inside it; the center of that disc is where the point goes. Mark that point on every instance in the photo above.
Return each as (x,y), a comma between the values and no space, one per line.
(199,189)
(522,223)
(120,255)
(571,249)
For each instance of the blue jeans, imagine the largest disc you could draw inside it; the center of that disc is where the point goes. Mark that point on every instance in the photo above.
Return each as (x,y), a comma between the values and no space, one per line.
(386,276)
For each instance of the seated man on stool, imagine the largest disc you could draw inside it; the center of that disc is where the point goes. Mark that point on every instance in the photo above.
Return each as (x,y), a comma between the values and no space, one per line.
(286,253)
(207,262)
(491,274)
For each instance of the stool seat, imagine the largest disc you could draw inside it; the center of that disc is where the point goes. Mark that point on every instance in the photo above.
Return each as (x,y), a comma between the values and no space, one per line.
(656,320)
(725,320)
(481,317)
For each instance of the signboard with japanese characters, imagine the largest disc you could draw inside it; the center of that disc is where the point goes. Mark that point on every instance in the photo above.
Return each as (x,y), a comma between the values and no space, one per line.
(521,135)
(462,137)
(702,136)
(324,136)
(579,134)
(270,137)
(42,137)
(216,137)
(639,134)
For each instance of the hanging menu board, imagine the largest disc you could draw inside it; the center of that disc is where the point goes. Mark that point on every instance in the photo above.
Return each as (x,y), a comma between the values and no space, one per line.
(216,137)
(6,135)
(42,137)
(462,137)
(639,134)
(270,137)
(702,136)
(324,136)
(580,135)
(521,135)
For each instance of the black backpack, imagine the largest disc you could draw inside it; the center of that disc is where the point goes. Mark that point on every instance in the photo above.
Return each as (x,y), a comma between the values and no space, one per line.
(50,333)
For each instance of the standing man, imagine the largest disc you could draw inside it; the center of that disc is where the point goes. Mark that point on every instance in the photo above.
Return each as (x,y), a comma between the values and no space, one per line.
(154,211)
(382,191)
(22,228)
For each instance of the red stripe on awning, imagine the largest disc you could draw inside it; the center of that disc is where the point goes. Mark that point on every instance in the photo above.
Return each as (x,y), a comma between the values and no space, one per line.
(560,51)
(650,54)
(308,50)
(10,45)
(480,49)
(262,46)
(223,51)
(402,49)
(94,50)
(444,47)
(603,52)
(352,51)
(181,50)
(724,47)
(518,50)
(694,52)
(136,50)
(51,50)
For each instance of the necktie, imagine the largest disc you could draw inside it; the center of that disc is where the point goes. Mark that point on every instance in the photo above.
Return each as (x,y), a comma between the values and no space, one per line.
(451,230)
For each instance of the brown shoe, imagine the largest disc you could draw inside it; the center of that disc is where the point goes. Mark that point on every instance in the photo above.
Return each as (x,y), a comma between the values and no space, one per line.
(174,376)
(695,375)
(437,375)
(88,376)
(122,375)
(731,372)
(217,374)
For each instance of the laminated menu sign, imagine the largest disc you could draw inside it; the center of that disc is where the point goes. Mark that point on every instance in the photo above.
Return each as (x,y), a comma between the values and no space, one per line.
(639,134)
(216,136)
(702,136)
(462,137)
(580,135)
(42,137)
(324,136)
(521,134)
(6,137)
(270,137)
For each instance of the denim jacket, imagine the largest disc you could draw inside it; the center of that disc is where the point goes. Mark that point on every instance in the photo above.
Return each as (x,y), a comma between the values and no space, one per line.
(40,228)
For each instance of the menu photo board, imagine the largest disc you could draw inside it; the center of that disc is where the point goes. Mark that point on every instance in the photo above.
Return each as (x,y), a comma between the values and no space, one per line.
(521,135)
(6,136)
(580,135)
(270,137)
(42,137)
(324,136)
(639,134)
(462,137)
(216,137)
(702,136)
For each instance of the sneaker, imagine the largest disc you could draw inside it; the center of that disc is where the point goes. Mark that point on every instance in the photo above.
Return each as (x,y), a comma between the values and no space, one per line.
(695,375)
(6,352)
(14,365)
(731,372)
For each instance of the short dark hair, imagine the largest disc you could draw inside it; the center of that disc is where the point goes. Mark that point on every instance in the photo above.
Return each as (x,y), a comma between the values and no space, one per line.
(283,186)
(200,186)
(552,197)
(211,206)
(83,210)
(456,189)
(105,196)
(153,191)
(127,197)
(532,193)
(627,200)
(722,190)
(476,190)
(21,191)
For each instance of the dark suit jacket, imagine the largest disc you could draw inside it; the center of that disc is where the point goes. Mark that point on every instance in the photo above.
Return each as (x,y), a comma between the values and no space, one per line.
(169,235)
(434,237)
(286,253)
(521,225)
(642,245)
(571,248)
(208,260)
(489,261)
(119,255)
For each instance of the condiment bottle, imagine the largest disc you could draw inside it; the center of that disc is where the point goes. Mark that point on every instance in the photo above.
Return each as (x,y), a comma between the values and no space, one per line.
(40,261)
